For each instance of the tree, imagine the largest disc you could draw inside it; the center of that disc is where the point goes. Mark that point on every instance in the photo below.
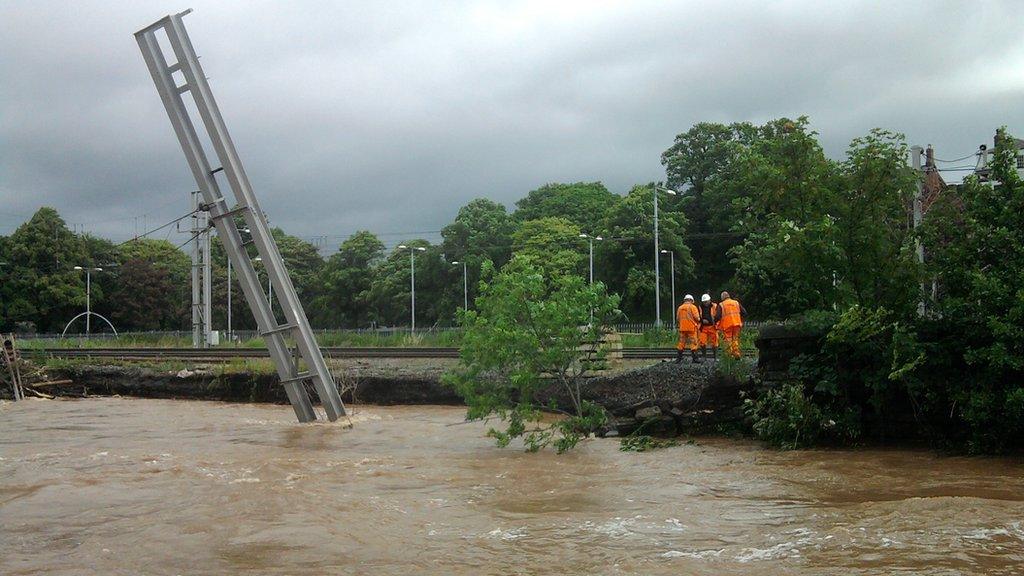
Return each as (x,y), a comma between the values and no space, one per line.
(582,203)
(697,160)
(482,231)
(626,257)
(345,281)
(156,261)
(878,265)
(44,288)
(143,297)
(529,325)
(551,244)
(779,193)
(303,261)
(389,296)
(975,248)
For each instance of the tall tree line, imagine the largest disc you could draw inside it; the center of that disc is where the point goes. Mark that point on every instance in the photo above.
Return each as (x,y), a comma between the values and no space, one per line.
(760,211)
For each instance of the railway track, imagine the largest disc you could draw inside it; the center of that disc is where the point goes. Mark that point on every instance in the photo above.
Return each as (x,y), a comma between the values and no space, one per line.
(227,354)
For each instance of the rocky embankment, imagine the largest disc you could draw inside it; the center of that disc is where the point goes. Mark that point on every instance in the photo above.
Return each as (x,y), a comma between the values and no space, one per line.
(666,399)
(662,399)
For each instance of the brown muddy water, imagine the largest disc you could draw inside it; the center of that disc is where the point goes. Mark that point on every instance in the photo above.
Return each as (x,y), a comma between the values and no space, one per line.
(122,486)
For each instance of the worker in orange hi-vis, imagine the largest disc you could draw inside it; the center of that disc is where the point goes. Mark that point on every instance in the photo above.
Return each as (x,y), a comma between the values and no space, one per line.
(731,316)
(688,321)
(708,327)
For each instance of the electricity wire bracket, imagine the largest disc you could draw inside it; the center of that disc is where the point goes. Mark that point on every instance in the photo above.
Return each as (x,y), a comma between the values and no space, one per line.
(170,32)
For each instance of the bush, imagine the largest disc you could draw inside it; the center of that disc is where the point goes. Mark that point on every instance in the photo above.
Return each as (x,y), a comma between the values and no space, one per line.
(867,367)
(786,417)
(527,333)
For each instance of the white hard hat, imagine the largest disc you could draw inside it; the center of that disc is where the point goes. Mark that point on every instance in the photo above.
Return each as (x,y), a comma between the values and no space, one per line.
(688,297)
(705,298)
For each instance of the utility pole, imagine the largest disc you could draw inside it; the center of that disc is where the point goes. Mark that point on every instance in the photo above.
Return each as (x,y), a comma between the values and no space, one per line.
(202,286)
(657,256)
(412,282)
(465,284)
(672,256)
(915,158)
(590,239)
(231,335)
(88,295)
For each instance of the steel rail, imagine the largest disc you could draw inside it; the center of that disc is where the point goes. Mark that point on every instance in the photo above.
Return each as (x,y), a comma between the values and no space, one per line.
(224,354)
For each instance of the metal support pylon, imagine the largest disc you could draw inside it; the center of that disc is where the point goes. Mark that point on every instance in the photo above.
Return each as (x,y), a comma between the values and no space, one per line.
(202,293)
(193,82)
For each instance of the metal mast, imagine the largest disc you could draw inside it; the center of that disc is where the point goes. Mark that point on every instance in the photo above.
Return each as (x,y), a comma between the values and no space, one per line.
(202,323)
(185,76)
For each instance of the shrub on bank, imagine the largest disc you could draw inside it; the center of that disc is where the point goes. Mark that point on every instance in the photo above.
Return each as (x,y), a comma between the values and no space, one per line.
(877,377)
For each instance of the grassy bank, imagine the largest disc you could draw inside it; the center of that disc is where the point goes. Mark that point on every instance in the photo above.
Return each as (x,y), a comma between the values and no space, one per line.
(665,338)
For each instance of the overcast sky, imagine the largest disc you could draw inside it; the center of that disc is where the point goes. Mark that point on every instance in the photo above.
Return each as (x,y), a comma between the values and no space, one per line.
(389,116)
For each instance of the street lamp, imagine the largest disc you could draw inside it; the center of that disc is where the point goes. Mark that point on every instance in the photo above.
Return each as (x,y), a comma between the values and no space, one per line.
(412,281)
(88,294)
(673,261)
(465,284)
(270,287)
(657,251)
(231,334)
(590,240)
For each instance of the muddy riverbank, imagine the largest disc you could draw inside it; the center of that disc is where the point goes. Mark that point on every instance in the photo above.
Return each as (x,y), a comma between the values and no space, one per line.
(665,398)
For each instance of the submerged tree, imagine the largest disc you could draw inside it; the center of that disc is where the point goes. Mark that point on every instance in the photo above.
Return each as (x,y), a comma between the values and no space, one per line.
(527,334)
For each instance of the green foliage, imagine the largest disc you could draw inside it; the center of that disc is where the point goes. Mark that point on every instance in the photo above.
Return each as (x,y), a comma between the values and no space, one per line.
(345,282)
(867,367)
(644,443)
(482,230)
(974,242)
(698,160)
(877,263)
(40,284)
(551,244)
(738,369)
(627,259)
(787,417)
(786,268)
(151,288)
(527,333)
(582,203)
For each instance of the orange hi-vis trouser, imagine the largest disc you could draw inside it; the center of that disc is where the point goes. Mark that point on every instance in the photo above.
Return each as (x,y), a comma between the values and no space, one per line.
(687,340)
(709,336)
(732,336)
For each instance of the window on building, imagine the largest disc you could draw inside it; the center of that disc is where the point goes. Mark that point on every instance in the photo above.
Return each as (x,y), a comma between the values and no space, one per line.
(1020,162)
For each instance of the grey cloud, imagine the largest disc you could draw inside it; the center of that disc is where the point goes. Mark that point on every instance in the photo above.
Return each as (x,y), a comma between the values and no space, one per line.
(389,116)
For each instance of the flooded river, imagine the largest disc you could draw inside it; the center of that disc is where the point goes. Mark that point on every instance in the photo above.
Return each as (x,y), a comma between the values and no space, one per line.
(122,486)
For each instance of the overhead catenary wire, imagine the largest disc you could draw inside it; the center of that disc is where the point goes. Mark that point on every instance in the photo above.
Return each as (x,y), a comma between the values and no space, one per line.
(161,227)
(971,155)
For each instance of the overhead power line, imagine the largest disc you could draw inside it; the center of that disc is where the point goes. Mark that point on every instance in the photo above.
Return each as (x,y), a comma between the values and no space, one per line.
(971,155)
(161,227)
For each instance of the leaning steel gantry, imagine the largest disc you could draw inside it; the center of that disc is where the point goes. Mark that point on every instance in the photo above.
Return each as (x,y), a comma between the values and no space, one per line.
(183,78)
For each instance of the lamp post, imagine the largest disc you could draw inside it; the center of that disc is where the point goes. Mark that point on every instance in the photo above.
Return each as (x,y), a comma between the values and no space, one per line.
(672,255)
(465,284)
(412,281)
(657,252)
(590,240)
(231,334)
(270,287)
(88,295)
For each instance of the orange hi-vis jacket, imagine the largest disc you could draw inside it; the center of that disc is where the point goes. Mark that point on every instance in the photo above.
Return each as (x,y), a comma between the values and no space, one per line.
(731,315)
(688,317)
